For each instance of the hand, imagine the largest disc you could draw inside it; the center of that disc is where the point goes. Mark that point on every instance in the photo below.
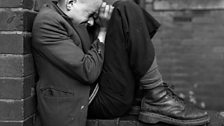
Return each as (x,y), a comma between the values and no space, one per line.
(105,12)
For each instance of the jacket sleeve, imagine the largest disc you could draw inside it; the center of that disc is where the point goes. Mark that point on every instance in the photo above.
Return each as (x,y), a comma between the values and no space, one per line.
(51,40)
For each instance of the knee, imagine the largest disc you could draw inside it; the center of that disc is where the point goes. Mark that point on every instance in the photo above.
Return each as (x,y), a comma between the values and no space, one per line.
(127,4)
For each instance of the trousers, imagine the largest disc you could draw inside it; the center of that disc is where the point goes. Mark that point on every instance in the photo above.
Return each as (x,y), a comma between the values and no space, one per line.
(129,54)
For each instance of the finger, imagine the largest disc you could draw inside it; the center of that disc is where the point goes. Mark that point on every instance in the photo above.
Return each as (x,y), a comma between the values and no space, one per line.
(111,9)
(103,4)
(110,12)
(107,10)
(102,9)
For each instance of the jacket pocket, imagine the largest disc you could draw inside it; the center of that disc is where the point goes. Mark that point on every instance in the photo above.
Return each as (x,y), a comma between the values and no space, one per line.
(53,92)
(56,107)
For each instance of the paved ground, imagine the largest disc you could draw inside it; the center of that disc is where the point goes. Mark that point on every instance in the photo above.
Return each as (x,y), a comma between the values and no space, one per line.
(216,120)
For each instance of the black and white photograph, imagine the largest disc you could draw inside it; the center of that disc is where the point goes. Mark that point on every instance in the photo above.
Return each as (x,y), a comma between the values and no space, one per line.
(111,62)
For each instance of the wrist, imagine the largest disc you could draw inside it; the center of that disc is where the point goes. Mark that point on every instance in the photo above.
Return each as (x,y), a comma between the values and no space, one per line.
(102,35)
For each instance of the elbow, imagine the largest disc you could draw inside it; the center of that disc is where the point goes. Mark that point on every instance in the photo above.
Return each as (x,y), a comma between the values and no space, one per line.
(90,81)
(91,77)
(92,70)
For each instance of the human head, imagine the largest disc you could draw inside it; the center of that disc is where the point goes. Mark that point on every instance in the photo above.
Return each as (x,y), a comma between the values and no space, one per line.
(79,10)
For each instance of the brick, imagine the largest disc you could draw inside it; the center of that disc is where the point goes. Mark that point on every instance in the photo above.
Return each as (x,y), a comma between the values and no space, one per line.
(40,3)
(16,65)
(28,4)
(179,35)
(182,18)
(128,123)
(188,4)
(215,120)
(13,43)
(26,122)
(149,1)
(112,122)
(92,122)
(15,110)
(16,88)
(130,120)
(16,20)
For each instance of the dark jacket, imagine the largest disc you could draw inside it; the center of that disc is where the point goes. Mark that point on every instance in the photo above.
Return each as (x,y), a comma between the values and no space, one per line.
(67,63)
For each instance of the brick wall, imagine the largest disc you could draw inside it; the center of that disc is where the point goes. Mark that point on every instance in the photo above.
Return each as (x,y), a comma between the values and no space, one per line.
(190,48)
(17,99)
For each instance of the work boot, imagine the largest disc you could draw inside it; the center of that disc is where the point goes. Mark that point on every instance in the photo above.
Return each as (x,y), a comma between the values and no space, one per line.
(161,104)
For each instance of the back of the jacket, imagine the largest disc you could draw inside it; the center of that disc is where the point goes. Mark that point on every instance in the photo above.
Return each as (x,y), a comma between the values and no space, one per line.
(62,95)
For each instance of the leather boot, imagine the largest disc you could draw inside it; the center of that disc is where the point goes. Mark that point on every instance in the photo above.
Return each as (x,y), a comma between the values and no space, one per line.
(161,104)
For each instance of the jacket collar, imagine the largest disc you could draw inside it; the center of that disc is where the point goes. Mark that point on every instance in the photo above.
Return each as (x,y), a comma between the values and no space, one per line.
(59,11)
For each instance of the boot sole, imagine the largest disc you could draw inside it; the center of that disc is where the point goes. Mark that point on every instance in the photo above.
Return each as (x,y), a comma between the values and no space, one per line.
(155,118)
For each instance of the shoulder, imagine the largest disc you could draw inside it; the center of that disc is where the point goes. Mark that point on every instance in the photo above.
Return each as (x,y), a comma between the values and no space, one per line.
(47,15)
(48,20)
(48,23)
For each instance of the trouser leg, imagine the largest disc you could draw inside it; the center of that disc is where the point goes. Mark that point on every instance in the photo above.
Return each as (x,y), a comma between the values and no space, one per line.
(129,53)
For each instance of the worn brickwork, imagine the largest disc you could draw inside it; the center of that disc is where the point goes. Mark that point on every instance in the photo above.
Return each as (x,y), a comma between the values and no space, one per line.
(190,48)
(17,99)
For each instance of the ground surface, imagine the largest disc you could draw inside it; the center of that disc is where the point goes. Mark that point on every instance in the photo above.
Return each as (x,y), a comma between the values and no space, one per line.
(216,120)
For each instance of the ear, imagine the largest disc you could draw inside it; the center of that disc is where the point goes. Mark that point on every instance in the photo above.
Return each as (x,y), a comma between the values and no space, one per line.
(69,4)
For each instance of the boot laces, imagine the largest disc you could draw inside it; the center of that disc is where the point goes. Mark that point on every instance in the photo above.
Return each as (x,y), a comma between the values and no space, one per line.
(170,90)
